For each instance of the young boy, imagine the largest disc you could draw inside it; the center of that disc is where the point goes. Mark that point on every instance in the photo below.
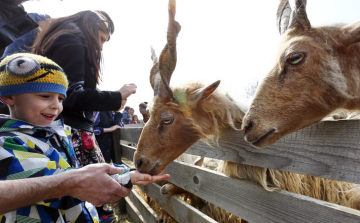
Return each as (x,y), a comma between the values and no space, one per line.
(39,181)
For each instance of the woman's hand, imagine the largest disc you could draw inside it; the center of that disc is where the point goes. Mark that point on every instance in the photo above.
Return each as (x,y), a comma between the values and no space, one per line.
(127,90)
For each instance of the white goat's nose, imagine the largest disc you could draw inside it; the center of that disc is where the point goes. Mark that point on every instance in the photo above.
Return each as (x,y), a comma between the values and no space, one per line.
(247,126)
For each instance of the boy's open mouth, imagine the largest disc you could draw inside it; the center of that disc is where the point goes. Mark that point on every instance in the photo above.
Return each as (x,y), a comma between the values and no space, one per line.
(48,116)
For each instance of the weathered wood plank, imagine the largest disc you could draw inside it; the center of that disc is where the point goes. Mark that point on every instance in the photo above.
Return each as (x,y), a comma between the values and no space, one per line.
(133,125)
(329,149)
(130,134)
(250,201)
(145,210)
(177,208)
(128,152)
(133,211)
(116,146)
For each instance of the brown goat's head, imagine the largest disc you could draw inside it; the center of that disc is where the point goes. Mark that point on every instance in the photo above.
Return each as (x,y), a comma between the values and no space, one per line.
(161,140)
(316,71)
(170,131)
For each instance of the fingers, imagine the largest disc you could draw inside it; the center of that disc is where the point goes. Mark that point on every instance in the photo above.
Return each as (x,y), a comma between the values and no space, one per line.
(160,177)
(115,170)
(145,180)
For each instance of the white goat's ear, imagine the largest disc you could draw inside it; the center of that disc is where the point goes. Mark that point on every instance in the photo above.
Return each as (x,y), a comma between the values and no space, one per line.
(351,34)
(206,91)
(298,17)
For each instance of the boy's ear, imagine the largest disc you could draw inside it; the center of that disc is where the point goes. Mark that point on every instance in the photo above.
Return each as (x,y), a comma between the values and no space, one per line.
(9,99)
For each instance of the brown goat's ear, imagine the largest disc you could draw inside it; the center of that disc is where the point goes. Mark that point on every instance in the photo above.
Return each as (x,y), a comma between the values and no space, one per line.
(351,34)
(206,91)
(298,17)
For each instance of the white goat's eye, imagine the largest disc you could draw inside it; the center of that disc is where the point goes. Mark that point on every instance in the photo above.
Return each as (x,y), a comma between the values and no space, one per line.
(296,58)
(22,66)
(168,121)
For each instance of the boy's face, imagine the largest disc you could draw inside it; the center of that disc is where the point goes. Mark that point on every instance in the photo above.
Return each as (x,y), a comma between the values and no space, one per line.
(36,108)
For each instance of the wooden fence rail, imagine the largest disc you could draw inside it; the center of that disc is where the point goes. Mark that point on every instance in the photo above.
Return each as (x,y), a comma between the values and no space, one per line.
(328,149)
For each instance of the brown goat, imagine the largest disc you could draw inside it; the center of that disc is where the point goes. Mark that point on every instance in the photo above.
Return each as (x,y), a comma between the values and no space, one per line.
(180,116)
(317,71)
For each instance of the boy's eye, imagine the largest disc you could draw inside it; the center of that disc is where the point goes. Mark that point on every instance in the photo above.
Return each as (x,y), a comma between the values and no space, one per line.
(44,96)
(61,99)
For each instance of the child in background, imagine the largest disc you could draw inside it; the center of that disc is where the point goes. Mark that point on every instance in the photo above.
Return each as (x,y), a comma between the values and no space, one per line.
(134,120)
(39,180)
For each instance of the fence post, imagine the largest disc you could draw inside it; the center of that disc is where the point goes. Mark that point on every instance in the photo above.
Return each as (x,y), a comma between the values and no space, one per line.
(116,146)
(117,159)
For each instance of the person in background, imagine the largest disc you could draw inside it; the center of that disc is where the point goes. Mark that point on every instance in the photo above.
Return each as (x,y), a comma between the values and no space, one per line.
(134,120)
(131,112)
(105,123)
(126,117)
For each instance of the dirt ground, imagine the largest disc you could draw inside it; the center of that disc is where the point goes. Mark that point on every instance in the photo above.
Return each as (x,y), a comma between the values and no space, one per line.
(120,218)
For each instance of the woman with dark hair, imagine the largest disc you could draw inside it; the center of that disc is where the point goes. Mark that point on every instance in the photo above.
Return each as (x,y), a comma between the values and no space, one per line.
(75,44)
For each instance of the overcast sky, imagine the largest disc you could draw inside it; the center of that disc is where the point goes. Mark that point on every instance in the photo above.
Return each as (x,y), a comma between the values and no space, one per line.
(229,40)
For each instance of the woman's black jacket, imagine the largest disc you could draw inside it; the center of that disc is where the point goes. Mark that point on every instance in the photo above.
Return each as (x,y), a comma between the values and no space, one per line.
(82,96)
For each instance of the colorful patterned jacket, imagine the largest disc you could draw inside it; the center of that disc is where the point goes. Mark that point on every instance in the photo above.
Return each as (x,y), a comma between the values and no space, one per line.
(21,144)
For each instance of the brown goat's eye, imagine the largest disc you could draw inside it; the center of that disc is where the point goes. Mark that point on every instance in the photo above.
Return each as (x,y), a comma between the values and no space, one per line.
(296,58)
(168,121)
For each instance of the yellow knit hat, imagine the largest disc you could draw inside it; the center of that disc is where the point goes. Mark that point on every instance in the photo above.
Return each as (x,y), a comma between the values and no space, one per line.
(27,73)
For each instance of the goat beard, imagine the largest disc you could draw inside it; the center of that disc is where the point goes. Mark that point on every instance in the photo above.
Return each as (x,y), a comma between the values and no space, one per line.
(13,2)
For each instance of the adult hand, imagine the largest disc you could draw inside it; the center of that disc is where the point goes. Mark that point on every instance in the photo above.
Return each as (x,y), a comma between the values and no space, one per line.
(112,128)
(93,184)
(138,178)
(127,90)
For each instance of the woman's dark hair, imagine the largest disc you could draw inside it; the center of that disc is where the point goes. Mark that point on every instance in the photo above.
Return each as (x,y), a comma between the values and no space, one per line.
(85,25)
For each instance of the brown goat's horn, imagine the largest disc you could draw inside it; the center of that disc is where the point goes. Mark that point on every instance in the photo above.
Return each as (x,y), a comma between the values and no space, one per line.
(283,16)
(167,61)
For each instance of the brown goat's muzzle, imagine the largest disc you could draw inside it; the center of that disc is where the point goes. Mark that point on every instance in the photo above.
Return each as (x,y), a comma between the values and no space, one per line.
(144,165)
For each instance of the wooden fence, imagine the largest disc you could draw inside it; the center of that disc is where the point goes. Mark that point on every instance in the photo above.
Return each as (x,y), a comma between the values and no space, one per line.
(329,149)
